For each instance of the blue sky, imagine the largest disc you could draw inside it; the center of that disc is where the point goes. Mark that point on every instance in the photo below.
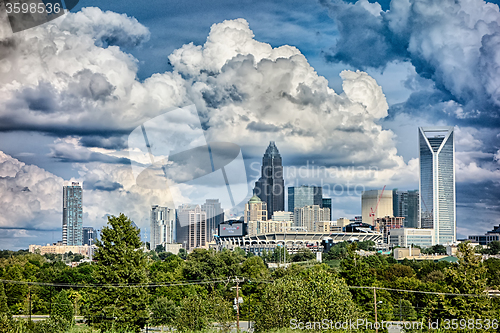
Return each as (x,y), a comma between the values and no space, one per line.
(75,88)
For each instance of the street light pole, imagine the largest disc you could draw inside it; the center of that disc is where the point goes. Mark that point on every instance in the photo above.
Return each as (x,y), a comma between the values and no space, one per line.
(375,302)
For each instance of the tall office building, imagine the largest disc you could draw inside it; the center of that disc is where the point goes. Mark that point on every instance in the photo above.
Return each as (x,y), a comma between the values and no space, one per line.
(215,216)
(327,203)
(72,224)
(255,210)
(307,217)
(406,204)
(89,235)
(270,187)
(375,204)
(191,227)
(437,182)
(304,195)
(162,226)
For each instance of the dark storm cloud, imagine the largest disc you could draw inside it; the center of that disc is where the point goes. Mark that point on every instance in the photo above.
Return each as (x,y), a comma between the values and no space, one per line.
(101,185)
(114,142)
(70,153)
(453,43)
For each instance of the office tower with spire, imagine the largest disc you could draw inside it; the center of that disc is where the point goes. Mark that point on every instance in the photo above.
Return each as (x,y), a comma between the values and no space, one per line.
(270,187)
(72,224)
(437,182)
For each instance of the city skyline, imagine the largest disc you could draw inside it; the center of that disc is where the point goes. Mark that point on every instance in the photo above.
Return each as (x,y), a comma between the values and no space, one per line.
(342,105)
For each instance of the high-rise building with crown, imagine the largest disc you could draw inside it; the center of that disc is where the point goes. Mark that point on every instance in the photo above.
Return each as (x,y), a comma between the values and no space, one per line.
(270,187)
(437,182)
(72,224)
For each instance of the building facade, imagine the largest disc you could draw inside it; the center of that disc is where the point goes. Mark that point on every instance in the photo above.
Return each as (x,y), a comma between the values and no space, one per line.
(282,216)
(327,203)
(490,236)
(162,226)
(406,204)
(404,237)
(386,224)
(304,195)
(191,227)
(255,210)
(270,187)
(375,204)
(72,224)
(306,217)
(264,227)
(89,236)
(215,216)
(437,182)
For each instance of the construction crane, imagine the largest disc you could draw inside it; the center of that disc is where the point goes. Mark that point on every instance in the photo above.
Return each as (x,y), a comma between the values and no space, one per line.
(372,212)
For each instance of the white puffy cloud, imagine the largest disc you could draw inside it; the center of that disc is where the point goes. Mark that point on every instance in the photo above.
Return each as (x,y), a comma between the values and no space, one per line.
(30,197)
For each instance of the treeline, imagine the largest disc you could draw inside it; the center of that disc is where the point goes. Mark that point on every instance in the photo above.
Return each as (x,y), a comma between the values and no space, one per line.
(127,289)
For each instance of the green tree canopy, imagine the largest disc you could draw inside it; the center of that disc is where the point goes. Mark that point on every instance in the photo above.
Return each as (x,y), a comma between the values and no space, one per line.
(120,262)
(311,296)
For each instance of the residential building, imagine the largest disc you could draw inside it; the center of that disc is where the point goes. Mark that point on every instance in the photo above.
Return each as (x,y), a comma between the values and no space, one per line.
(215,216)
(437,182)
(327,226)
(72,223)
(162,226)
(405,237)
(406,204)
(58,248)
(306,217)
(282,216)
(342,222)
(255,210)
(304,195)
(375,204)
(265,227)
(191,227)
(270,187)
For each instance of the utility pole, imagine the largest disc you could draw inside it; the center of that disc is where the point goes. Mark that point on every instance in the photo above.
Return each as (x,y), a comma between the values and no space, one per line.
(237,281)
(375,303)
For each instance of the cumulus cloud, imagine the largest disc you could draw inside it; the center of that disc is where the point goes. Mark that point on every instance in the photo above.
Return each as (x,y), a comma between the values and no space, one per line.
(30,197)
(454,43)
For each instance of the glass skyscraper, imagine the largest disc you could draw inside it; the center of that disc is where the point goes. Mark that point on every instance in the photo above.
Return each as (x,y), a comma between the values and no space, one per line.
(72,223)
(304,195)
(270,187)
(406,204)
(215,216)
(437,182)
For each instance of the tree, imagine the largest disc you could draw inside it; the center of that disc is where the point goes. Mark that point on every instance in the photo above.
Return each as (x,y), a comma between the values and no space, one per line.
(4,308)
(182,254)
(164,311)
(304,254)
(193,314)
(312,296)
(121,262)
(62,308)
(159,248)
(469,277)
(221,312)
(493,248)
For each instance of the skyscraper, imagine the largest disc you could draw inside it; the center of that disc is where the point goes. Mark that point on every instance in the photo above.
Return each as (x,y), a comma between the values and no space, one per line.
(255,210)
(375,204)
(327,203)
(89,236)
(307,217)
(72,224)
(304,195)
(191,226)
(215,216)
(437,182)
(406,204)
(162,226)
(270,187)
